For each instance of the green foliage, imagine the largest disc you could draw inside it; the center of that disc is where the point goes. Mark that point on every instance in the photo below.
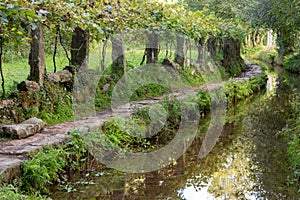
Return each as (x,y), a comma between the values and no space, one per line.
(190,74)
(236,91)
(10,192)
(42,170)
(173,107)
(292,62)
(148,91)
(125,133)
(265,54)
(234,70)
(283,17)
(204,101)
(291,133)
(77,155)
(52,103)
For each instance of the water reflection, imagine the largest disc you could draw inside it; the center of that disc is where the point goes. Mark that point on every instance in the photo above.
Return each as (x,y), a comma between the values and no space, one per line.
(248,161)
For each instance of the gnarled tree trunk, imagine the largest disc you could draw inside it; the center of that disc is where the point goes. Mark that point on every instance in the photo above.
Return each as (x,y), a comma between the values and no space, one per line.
(37,56)
(232,60)
(118,54)
(80,48)
(152,48)
(180,50)
(212,48)
(1,70)
(201,46)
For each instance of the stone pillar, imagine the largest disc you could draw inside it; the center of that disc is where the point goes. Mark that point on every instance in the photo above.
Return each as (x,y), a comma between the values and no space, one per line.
(180,51)
(118,54)
(37,56)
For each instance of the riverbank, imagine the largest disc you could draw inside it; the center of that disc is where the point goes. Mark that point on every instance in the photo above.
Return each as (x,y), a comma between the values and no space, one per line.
(289,70)
(13,153)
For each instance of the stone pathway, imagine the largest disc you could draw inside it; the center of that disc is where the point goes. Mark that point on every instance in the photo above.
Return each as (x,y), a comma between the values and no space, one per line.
(13,153)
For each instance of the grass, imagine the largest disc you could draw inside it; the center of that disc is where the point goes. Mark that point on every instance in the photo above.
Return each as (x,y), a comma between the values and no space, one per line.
(56,106)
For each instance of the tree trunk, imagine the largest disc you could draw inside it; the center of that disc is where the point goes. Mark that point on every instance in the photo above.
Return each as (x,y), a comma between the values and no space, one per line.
(152,48)
(37,56)
(180,50)
(201,45)
(253,36)
(102,62)
(118,54)
(285,41)
(232,60)
(55,47)
(270,38)
(1,70)
(212,48)
(80,48)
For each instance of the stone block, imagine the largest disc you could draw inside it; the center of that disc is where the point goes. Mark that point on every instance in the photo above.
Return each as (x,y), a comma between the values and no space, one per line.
(25,129)
(6,103)
(28,86)
(60,77)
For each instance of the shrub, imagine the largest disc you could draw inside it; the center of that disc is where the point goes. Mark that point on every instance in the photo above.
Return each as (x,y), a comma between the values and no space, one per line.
(236,91)
(10,192)
(292,62)
(292,135)
(42,170)
(204,101)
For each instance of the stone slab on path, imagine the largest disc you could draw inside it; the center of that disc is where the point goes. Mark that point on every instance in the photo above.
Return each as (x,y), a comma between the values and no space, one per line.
(49,136)
(13,153)
(25,129)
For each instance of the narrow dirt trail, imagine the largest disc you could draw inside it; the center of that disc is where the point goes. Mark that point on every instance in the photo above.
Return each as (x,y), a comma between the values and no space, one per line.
(13,153)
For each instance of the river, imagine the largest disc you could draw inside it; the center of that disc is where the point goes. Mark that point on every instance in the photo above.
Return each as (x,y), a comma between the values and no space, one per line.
(249,160)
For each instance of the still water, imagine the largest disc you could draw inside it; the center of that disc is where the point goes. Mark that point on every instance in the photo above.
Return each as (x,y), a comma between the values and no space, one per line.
(249,160)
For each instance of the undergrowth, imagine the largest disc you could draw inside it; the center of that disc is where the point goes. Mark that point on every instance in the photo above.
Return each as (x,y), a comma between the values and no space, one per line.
(262,53)
(236,91)
(292,135)
(292,62)
(11,192)
(48,166)
(52,104)
(42,170)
